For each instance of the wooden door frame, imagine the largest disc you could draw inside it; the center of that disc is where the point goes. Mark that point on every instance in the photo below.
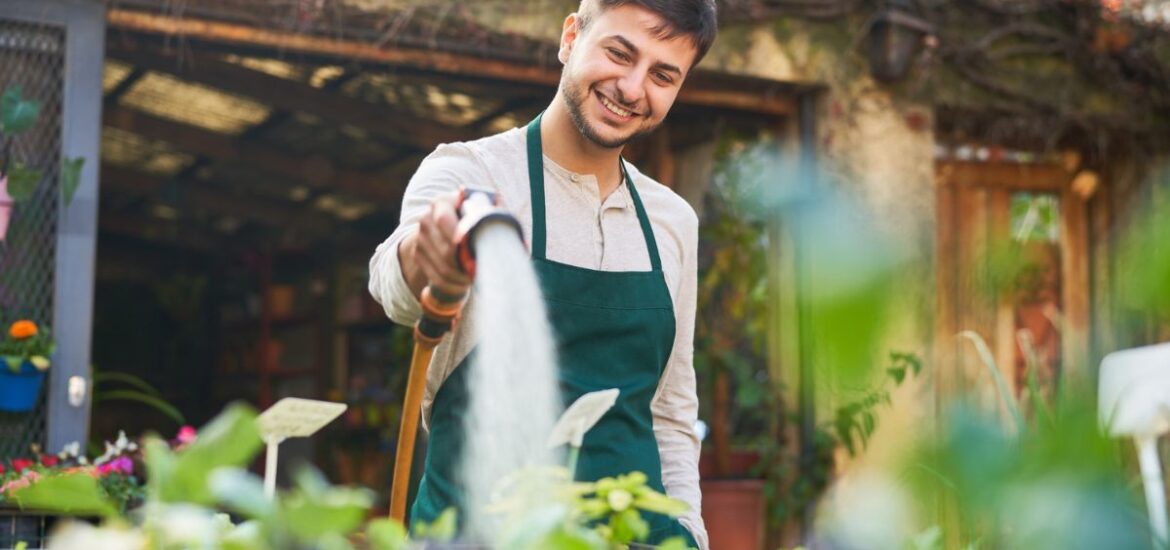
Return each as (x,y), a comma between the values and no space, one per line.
(958,184)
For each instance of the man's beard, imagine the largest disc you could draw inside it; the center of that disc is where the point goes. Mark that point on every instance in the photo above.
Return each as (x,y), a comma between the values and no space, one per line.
(574,98)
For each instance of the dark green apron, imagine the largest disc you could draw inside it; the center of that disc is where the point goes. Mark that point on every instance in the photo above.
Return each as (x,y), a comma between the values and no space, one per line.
(613,330)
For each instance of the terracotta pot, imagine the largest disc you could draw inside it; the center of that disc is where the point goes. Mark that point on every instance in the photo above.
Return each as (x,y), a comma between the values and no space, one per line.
(740,466)
(280,299)
(733,510)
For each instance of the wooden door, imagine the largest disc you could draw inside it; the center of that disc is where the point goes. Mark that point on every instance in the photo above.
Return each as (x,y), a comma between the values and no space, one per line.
(1013,268)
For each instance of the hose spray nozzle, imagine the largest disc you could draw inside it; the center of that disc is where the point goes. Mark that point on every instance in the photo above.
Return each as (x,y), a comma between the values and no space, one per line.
(477,208)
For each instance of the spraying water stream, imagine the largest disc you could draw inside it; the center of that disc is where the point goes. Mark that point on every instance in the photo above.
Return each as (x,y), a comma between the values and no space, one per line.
(515,399)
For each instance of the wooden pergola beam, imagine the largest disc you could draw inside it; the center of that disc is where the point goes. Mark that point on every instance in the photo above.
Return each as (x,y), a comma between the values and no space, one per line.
(702,89)
(394,123)
(197,194)
(314,171)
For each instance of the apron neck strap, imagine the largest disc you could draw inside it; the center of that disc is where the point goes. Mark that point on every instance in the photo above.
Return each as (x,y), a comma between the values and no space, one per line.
(536,185)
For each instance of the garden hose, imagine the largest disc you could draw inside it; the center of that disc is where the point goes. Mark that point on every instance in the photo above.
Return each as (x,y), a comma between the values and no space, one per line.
(440,311)
(439,314)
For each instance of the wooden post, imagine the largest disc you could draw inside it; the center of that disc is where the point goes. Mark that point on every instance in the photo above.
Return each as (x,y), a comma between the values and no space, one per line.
(1074,241)
(946,347)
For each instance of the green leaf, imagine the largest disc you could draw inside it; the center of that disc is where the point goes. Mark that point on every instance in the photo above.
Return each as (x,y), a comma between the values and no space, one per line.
(750,395)
(929,539)
(385,534)
(674,543)
(160,465)
(440,530)
(564,539)
(16,113)
(143,385)
(144,398)
(231,439)
(241,492)
(13,362)
(628,526)
(22,181)
(77,493)
(653,501)
(245,536)
(332,541)
(70,177)
(316,509)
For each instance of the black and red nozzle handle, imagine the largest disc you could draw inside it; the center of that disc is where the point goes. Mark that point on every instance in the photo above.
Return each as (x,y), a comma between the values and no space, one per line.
(477,209)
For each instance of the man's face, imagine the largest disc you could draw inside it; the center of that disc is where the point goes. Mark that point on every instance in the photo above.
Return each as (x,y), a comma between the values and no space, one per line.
(619,79)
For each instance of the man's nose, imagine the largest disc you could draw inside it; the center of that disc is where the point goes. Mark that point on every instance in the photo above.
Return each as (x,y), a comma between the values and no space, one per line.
(630,86)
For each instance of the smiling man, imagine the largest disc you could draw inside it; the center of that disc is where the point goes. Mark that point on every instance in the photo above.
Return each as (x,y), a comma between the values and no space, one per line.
(614,249)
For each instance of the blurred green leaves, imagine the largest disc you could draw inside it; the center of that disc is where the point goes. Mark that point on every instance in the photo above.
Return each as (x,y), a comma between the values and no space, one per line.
(846,266)
(1057,484)
(17,114)
(1143,281)
(231,439)
(74,494)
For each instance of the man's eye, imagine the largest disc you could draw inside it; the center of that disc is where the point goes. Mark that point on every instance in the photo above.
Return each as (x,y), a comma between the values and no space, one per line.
(620,55)
(663,78)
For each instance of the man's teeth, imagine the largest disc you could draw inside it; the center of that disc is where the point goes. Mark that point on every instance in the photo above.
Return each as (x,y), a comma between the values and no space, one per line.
(614,108)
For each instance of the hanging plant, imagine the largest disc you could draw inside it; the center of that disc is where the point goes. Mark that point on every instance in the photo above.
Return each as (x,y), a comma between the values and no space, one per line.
(18,181)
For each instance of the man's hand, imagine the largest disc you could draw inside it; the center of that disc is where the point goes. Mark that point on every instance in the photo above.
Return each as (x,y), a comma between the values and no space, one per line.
(428,256)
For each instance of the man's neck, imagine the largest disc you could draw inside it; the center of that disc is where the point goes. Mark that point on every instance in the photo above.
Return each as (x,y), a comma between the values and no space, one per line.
(564,144)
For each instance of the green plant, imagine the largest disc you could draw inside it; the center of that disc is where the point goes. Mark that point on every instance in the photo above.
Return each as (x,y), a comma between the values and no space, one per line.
(25,341)
(855,421)
(116,473)
(18,115)
(851,426)
(119,386)
(187,487)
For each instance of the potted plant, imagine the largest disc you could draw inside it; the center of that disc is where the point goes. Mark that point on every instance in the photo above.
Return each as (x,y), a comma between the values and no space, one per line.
(24,353)
(740,401)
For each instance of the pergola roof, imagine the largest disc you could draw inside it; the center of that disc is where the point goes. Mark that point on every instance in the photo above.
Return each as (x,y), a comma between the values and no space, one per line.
(249,121)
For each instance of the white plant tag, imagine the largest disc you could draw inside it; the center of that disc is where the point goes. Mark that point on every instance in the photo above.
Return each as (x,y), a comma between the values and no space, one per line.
(296,417)
(581,416)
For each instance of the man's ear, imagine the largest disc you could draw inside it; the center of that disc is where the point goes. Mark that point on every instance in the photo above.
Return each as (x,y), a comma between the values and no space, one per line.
(569,33)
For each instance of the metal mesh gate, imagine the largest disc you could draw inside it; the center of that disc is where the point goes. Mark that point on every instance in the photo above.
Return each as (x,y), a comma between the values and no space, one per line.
(32,56)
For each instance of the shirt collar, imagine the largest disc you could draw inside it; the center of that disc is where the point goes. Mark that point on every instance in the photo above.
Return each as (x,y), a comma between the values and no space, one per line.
(619,199)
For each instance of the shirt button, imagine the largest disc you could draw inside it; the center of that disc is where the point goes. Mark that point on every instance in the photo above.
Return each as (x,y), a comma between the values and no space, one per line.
(574,177)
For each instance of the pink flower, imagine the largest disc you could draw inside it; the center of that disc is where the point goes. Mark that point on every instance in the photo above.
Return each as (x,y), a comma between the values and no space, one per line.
(122,465)
(49,460)
(20,482)
(186,435)
(2,470)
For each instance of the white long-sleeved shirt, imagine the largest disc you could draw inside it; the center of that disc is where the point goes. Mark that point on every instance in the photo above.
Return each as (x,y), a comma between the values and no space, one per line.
(583,231)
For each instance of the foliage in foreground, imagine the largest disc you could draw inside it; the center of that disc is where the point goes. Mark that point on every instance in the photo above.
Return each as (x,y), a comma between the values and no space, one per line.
(1051,479)
(195,495)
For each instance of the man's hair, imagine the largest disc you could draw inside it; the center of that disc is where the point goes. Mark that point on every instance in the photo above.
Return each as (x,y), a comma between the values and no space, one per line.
(694,19)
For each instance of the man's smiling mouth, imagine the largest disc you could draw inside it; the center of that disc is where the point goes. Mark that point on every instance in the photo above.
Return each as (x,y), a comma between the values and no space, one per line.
(614,107)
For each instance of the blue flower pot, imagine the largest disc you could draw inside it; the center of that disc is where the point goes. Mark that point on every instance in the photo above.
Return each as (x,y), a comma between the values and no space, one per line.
(19,390)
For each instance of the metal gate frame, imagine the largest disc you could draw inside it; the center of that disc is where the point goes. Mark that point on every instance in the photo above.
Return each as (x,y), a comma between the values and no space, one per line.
(68,398)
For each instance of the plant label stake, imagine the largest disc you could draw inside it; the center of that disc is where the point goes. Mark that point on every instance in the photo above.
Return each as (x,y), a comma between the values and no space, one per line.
(579,418)
(1134,401)
(292,417)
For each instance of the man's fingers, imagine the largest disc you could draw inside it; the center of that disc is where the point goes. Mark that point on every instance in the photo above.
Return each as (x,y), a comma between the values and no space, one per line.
(435,246)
